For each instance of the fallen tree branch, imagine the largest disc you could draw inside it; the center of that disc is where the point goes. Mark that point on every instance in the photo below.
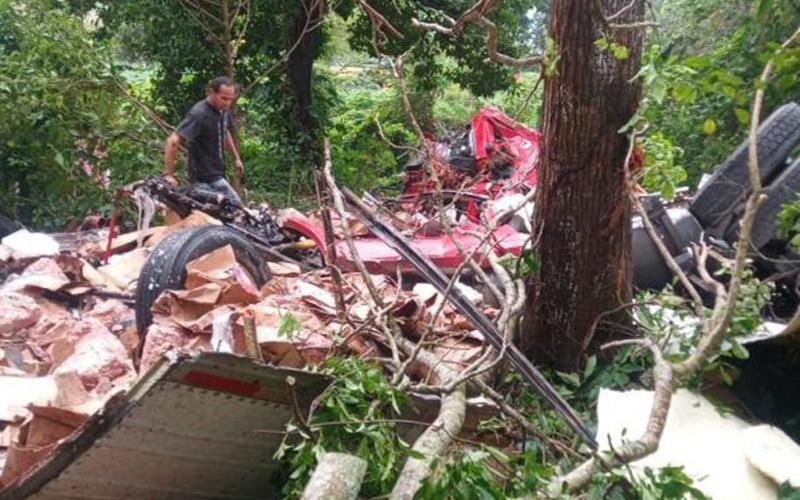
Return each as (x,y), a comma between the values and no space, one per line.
(436,438)
(338,476)
(433,442)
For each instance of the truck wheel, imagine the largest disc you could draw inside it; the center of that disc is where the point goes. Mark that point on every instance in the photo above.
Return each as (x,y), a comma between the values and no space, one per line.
(717,202)
(165,269)
(782,190)
(8,226)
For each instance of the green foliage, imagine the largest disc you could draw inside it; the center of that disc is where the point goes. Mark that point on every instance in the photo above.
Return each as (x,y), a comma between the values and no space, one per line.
(517,36)
(476,473)
(789,223)
(662,171)
(698,88)
(63,117)
(670,321)
(619,372)
(169,35)
(465,476)
(523,266)
(618,51)
(288,325)
(787,492)
(353,416)
(667,483)
(362,159)
(453,105)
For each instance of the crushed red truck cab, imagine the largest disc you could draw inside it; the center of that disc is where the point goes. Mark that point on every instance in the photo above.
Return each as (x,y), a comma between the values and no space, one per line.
(474,175)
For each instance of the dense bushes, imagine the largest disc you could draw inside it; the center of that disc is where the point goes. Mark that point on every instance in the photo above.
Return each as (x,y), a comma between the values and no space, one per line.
(66,133)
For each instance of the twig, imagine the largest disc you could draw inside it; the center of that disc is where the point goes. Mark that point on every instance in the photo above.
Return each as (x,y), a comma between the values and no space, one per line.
(476,15)
(669,260)
(298,414)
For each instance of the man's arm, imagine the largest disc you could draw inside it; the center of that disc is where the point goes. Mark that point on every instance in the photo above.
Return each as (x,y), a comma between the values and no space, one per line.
(170,151)
(230,145)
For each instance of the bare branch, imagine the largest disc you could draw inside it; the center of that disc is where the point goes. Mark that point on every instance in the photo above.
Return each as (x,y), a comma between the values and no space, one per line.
(633,26)
(477,15)
(621,11)
(377,19)
(491,47)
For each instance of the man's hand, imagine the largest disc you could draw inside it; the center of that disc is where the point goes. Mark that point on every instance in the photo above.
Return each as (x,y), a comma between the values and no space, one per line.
(171,180)
(239,167)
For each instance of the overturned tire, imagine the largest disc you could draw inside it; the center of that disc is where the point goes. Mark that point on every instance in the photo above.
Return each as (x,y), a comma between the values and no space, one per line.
(782,190)
(719,200)
(166,267)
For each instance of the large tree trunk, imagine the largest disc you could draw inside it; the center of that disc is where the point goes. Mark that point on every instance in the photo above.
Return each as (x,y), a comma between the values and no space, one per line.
(299,70)
(582,215)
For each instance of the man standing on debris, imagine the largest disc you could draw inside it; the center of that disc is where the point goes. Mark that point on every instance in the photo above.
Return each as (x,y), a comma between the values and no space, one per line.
(205,132)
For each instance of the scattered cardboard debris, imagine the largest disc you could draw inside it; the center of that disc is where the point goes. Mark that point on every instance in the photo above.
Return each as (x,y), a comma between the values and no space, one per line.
(25,244)
(123,270)
(43,274)
(18,312)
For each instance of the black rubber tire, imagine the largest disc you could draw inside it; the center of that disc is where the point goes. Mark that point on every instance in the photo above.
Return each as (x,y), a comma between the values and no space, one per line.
(722,196)
(8,226)
(165,269)
(782,190)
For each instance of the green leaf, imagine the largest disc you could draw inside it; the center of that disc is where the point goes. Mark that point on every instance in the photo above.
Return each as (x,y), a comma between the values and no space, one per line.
(571,379)
(683,93)
(787,492)
(288,325)
(763,7)
(591,364)
(742,115)
(620,51)
(658,91)
(698,62)
(738,350)
(59,159)
(709,127)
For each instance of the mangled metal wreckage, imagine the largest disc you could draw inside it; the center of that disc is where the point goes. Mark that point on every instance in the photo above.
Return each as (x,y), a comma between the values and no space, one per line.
(207,293)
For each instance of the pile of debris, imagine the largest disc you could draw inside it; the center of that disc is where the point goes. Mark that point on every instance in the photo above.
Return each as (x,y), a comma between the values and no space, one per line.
(68,337)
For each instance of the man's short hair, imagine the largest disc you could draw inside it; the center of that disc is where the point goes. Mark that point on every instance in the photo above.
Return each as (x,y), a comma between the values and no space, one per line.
(219,81)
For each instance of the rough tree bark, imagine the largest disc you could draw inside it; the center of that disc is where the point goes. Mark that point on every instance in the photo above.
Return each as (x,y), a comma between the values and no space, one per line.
(582,217)
(299,71)
(338,476)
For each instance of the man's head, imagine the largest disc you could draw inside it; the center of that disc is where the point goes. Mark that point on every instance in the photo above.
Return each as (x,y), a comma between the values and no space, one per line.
(221,93)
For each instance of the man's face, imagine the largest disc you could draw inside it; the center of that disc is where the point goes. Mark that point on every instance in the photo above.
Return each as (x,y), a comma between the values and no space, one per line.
(223,98)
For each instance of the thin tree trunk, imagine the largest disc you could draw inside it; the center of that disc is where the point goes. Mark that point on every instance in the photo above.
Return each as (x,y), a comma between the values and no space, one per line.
(299,70)
(582,216)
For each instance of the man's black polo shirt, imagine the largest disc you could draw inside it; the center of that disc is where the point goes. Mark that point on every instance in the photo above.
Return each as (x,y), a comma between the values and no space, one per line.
(204,130)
